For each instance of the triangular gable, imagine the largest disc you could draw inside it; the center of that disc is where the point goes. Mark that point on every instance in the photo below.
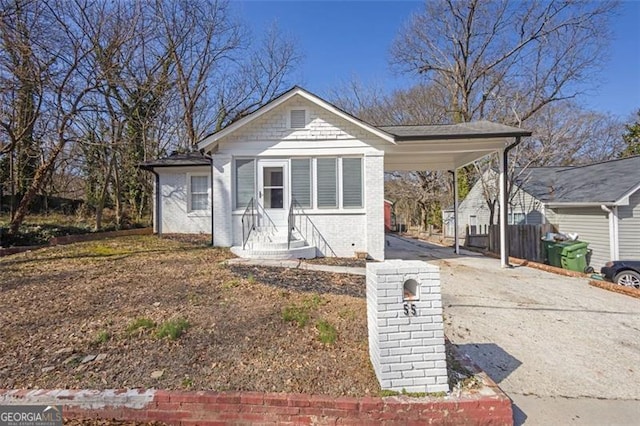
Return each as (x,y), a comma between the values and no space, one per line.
(211,139)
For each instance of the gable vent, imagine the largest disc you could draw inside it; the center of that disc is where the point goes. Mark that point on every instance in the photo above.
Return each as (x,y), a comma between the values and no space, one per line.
(298,119)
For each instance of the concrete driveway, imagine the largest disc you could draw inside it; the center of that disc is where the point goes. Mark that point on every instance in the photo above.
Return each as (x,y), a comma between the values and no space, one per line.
(565,352)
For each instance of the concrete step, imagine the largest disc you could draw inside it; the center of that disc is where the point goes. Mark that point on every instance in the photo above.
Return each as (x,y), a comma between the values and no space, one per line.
(303,252)
(274,245)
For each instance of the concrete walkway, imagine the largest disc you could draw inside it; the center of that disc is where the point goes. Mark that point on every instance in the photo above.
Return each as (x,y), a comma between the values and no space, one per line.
(565,352)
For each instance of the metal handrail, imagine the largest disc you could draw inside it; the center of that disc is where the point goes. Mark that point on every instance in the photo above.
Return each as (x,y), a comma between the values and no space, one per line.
(291,222)
(306,228)
(248,218)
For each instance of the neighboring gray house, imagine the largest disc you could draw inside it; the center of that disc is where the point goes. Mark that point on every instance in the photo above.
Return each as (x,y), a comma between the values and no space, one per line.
(600,202)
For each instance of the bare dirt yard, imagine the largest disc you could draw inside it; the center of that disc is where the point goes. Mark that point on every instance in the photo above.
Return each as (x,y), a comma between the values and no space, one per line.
(168,313)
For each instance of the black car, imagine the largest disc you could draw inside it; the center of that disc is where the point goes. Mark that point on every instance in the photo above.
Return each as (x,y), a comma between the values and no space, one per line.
(623,272)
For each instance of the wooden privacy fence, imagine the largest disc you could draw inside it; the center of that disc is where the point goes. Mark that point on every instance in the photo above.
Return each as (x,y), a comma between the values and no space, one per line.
(525,241)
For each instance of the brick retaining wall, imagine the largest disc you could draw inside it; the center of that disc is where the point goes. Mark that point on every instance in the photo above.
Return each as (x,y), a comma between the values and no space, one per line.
(208,408)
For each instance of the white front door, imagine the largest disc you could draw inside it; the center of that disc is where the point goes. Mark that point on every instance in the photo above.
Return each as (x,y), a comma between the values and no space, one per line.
(273,192)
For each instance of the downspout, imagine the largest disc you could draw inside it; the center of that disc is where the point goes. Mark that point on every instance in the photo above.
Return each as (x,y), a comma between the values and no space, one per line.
(504,229)
(456,245)
(157,221)
(210,158)
(614,252)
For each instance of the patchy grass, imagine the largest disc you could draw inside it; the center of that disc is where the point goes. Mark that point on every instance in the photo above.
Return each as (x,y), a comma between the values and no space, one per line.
(327,333)
(102,337)
(172,329)
(297,314)
(237,341)
(140,325)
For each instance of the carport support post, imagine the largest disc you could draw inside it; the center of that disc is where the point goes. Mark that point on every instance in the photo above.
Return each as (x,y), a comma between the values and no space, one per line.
(504,250)
(456,246)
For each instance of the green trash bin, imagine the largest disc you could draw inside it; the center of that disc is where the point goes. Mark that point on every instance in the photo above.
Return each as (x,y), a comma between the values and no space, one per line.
(573,255)
(551,253)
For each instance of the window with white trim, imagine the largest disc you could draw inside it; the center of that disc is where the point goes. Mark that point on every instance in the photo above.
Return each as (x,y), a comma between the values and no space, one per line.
(327,182)
(351,182)
(301,181)
(245,182)
(297,118)
(198,192)
(517,218)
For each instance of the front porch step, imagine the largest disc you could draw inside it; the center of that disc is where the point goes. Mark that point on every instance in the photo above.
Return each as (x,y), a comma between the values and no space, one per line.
(274,245)
(269,252)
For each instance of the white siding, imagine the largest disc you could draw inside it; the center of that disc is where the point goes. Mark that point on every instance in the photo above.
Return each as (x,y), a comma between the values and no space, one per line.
(629,228)
(175,216)
(592,226)
(325,134)
(475,204)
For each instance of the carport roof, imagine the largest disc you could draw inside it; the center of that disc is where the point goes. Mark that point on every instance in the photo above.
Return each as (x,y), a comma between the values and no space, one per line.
(445,146)
(473,130)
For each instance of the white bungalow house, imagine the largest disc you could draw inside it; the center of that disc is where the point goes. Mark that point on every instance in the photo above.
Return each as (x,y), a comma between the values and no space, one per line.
(301,178)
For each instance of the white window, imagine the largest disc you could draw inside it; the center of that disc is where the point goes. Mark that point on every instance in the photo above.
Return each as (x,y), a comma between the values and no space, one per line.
(245,182)
(517,218)
(301,181)
(473,224)
(351,182)
(198,192)
(327,182)
(297,118)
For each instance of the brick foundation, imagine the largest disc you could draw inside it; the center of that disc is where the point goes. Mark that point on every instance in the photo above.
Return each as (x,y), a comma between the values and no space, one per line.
(209,408)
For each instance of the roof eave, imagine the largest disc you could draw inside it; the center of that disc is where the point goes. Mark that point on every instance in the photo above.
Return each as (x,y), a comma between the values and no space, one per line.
(492,135)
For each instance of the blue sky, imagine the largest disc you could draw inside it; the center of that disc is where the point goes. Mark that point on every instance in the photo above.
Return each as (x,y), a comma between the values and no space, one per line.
(345,39)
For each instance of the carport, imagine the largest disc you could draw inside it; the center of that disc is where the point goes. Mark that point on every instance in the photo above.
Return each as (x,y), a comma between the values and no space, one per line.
(450,147)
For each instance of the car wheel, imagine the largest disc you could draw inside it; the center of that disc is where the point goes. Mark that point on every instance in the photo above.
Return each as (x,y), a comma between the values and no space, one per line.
(628,279)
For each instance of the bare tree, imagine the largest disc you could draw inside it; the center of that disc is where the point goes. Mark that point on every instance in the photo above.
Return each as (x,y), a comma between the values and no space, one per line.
(69,78)
(505,61)
(524,54)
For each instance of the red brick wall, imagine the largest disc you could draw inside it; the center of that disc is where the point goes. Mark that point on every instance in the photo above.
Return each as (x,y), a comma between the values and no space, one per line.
(387,216)
(212,408)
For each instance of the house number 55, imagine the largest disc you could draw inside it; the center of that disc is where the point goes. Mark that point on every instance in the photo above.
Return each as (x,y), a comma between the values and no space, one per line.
(410,310)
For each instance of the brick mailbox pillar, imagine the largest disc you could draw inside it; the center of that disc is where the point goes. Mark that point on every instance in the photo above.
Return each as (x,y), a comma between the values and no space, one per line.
(406,332)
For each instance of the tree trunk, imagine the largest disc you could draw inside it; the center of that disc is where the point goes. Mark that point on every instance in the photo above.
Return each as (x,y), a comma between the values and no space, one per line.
(36,184)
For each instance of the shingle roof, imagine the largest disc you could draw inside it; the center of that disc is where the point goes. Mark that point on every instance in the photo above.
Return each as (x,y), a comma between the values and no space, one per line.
(477,129)
(177,160)
(606,182)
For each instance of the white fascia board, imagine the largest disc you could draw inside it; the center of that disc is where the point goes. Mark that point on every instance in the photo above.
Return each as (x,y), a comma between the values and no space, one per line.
(589,204)
(206,142)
